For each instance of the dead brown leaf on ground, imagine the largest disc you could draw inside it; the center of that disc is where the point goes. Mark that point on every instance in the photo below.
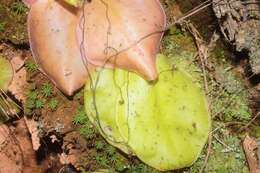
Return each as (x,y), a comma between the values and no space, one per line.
(252,151)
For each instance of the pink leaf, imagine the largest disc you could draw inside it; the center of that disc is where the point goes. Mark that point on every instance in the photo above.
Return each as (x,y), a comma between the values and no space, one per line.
(122,33)
(52,32)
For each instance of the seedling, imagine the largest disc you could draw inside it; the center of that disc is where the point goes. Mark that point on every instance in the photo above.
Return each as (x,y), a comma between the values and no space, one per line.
(110,150)
(30,66)
(18,8)
(101,160)
(30,104)
(46,89)
(53,104)
(39,104)
(99,145)
(87,131)
(80,117)
(32,95)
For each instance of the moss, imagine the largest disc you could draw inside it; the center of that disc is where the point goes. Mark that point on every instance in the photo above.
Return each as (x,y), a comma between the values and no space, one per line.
(226,156)
(229,96)
(255,132)
(39,98)
(185,5)
(13,21)
(30,66)
(231,103)
(177,42)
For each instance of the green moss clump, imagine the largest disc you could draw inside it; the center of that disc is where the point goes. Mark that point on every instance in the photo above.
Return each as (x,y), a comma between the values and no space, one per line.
(229,96)
(38,98)
(227,155)
(177,42)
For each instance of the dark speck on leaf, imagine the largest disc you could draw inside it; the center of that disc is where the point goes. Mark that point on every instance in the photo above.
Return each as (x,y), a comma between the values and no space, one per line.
(121,102)
(194,125)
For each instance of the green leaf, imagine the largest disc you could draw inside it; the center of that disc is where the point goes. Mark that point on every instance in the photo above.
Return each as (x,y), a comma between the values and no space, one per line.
(165,123)
(6,73)
(75,3)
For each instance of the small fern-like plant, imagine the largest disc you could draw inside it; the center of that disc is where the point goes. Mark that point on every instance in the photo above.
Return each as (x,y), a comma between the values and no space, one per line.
(46,89)
(18,8)
(53,104)
(30,66)
(86,129)
(39,104)
(80,117)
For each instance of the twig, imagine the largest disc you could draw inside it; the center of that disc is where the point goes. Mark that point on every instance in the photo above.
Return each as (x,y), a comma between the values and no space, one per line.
(208,153)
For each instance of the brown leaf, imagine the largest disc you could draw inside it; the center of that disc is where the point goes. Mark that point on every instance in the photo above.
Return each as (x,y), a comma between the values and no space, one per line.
(10,153)
(18,83)
(252,150)
(32,126)
(16,153)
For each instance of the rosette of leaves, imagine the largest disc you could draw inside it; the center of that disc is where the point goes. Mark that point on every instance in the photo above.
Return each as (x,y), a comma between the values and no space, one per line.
(164,123)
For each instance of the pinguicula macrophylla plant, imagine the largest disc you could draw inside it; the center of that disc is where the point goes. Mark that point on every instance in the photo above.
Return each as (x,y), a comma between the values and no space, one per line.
(67,42)
(114,43)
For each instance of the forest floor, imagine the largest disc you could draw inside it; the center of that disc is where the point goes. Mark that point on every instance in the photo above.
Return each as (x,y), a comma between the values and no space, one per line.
(54,134)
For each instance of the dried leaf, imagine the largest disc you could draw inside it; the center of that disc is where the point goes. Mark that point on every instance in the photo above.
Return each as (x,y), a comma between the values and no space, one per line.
(252,150)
